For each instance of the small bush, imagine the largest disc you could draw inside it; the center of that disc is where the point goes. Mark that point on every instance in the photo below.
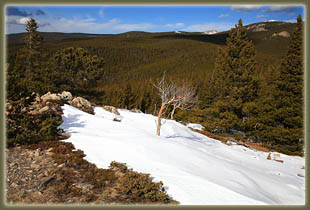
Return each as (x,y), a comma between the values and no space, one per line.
(139,188)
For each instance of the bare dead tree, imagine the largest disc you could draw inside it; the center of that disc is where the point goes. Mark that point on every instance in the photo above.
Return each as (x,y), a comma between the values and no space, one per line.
(186,99)
(167,93)
(182,97)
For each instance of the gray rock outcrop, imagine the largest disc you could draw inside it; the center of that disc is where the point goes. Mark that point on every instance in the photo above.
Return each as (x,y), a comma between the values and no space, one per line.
(282,33)
(52,98)
(111,109)
(82,104)
(66,96)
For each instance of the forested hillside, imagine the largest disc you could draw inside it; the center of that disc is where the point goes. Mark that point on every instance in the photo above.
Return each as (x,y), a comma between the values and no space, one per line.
(119,70)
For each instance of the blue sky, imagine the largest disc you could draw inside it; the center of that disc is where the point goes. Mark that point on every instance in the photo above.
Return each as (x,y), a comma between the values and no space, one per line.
(117,19)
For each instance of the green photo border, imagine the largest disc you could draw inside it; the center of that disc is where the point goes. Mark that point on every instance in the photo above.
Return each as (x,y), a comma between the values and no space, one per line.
(306,4)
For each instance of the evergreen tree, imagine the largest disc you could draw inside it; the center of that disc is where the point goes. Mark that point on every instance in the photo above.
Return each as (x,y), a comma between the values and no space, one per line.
(32,44)
(128,98)
(25,72)
(234,85)
(265,121)
(74,69)
(145,102)
(289,95)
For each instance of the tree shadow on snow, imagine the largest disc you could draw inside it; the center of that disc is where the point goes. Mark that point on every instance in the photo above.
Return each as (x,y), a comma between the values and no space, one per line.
(72,120)
(192,138)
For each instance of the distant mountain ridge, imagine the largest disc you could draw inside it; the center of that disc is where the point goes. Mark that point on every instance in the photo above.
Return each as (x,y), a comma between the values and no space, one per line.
(274,26)
(53,36)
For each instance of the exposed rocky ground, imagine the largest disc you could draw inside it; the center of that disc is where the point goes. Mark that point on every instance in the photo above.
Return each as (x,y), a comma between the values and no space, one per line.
(54,173)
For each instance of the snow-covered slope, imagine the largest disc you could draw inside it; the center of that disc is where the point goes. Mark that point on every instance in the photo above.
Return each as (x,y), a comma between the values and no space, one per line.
(195,169)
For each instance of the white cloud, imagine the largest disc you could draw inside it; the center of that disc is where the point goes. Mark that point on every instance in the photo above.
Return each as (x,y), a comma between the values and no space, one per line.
(90,20)
(261,17)
(17,20)
(176,25)
(210,26)
(223,15)
(101,13)
(281,9)
(133,27)
(245,8)
(90,25)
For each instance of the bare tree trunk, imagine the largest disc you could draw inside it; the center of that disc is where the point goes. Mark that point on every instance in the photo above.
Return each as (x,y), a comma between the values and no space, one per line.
(159,118)
(172,112)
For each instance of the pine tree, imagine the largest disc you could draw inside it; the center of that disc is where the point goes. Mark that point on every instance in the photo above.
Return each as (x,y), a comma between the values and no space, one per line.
(128,97)
(25,73)
(265,107)
(145,102)
(32,44)
(234,84)
(289,95)
(75,69)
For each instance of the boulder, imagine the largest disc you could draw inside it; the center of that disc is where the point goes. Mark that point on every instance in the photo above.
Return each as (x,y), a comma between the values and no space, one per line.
(50,109)
(51,97)
(111,109)
(46,104)
(136,110)
(66,96)
(82,104)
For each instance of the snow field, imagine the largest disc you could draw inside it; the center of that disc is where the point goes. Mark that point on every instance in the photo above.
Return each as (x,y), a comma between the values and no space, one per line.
(195,169)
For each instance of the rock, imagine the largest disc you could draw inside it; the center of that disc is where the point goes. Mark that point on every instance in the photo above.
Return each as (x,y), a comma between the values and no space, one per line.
(82,104)
(64,135)
(37,100)
(36,153)
(46,173)
(44,109)
(13,164)
(9,106)
(111,109)
(49,153)
(301,175)
(283,34)
(14,185)
(61,165)
(50,108)
(47,104)
(84,187)
(40,176)
(35,166)
(49,149)
(136,110)
(51,97)
(66,96)
(117,118)
(258,29)
(280,161)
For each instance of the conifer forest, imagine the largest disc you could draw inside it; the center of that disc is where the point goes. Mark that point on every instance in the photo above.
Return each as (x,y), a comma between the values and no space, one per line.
(246,84)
